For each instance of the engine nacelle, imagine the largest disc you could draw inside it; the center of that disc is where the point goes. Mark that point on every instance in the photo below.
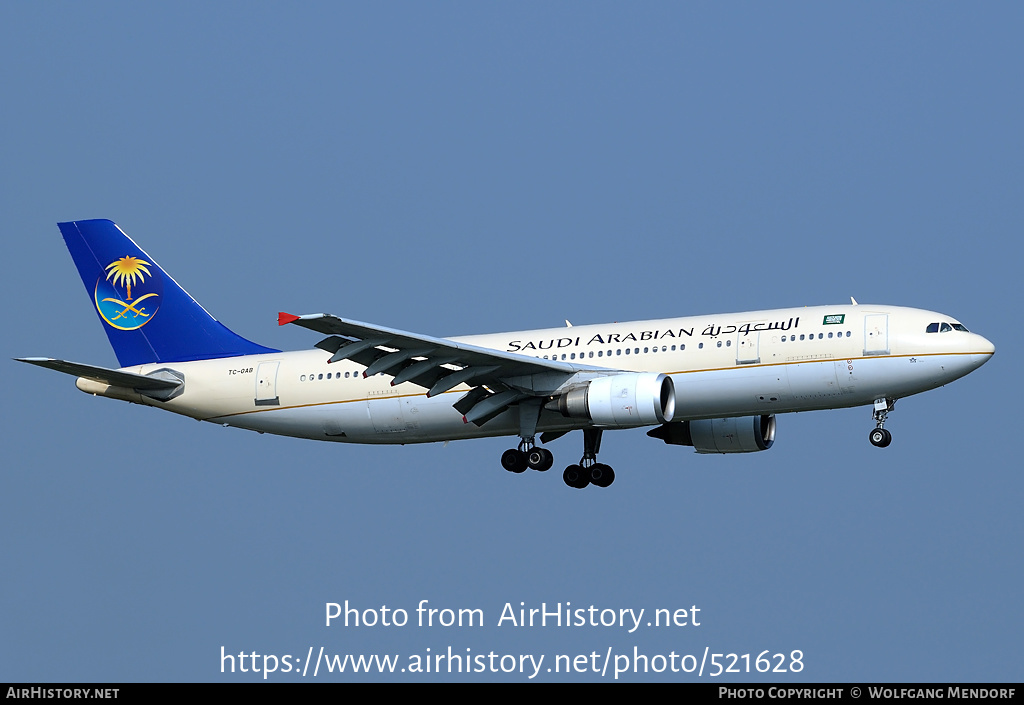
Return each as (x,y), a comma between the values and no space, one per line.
(743,434)
(626,400)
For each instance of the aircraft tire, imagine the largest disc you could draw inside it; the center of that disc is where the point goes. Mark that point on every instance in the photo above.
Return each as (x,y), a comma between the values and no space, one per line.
(514,460)
(575,477)
(601,475)
(880,438)
(540,459)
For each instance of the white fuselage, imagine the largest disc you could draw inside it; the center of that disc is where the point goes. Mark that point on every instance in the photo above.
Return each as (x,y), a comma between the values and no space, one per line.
(722,365)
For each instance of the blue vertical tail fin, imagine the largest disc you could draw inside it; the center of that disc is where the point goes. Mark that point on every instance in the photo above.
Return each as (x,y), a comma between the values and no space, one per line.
(147,316)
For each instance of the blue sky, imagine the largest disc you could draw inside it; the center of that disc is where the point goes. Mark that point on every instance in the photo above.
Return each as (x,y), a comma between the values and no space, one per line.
(458,168)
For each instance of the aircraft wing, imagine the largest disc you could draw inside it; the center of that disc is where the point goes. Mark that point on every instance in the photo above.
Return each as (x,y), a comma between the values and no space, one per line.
(499,379)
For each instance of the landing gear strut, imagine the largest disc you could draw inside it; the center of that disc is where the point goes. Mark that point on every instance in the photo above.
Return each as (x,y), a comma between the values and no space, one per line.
(879,436)
(527,455)
(589,471)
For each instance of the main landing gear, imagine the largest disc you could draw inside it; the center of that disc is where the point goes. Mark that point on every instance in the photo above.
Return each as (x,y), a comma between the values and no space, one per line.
(880,437)
(589,471)
(527,456)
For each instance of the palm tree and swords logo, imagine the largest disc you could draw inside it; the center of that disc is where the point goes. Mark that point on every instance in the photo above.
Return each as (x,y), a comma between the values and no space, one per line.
(114,293)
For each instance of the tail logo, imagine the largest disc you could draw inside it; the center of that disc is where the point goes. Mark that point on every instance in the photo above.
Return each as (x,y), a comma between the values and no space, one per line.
(114,293)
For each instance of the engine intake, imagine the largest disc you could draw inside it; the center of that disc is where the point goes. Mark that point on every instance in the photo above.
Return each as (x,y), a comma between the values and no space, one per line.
(627,400)
(743,434)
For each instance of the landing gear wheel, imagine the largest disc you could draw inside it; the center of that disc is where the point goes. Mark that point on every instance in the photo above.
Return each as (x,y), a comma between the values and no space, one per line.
(880,438)
(540,459)
(575,477)
(514,460)
(601,475)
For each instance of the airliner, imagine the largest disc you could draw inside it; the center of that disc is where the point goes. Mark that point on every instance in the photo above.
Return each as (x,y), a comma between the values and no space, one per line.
(714,383)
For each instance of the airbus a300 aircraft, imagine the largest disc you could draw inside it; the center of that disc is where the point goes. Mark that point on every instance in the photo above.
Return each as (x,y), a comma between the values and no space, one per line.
(711,382)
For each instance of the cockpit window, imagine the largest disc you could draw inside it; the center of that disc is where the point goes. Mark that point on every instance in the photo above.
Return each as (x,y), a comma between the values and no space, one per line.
(944,328)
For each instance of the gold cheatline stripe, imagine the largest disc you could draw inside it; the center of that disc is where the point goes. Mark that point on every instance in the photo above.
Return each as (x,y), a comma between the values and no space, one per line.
(677,372)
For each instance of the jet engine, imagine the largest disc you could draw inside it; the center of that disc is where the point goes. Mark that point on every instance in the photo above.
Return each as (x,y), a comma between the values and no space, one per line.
(625,400)
(743,434)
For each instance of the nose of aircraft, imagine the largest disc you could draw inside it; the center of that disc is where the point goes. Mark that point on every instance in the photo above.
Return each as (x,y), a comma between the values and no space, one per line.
(985,349)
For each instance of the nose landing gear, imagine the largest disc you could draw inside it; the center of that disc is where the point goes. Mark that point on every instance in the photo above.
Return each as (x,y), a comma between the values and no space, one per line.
(879,436)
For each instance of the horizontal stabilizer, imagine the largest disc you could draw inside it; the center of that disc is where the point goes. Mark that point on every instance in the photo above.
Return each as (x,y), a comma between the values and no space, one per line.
(115,378)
